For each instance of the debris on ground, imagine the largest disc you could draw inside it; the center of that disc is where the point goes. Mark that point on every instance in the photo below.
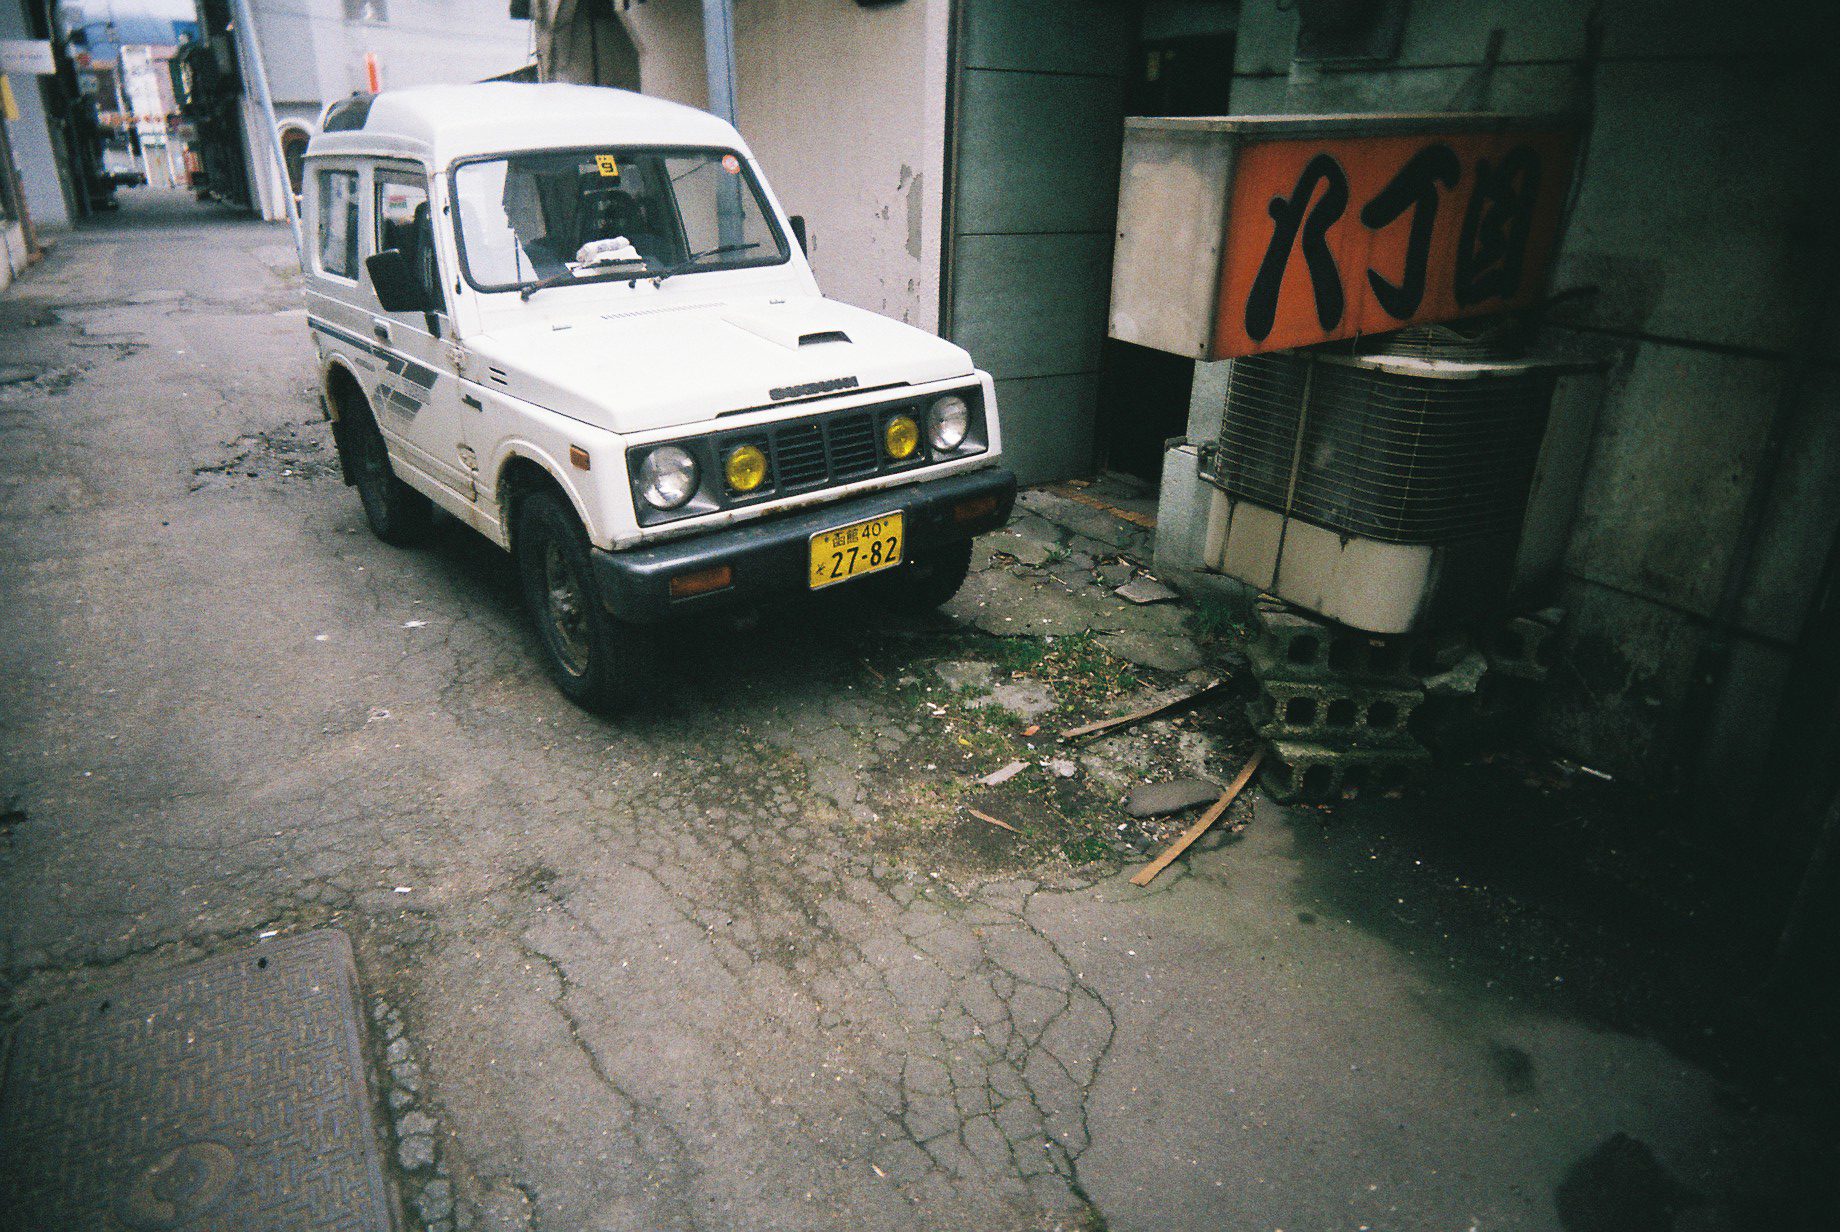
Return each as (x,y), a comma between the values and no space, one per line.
(1161,799)
(983,816)
(1004,775)
(1149,872)
(1145,590)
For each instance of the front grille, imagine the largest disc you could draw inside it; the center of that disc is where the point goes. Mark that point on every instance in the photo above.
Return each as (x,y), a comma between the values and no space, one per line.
(797,453)
(854,449)
(815,453)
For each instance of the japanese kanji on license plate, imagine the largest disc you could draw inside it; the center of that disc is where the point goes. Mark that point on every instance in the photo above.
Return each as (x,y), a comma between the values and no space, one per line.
(851,551)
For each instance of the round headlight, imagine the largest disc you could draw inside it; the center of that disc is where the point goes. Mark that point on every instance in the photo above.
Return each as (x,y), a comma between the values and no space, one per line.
(667,477)
(948,421)
(745,469)
(902,437)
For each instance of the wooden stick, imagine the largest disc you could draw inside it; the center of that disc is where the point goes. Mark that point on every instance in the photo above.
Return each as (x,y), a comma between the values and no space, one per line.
(992,820)
(1148,873)
(1073,733)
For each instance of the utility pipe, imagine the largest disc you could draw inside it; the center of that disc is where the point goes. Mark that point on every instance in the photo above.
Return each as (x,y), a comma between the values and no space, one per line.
(718,55)
(252,57)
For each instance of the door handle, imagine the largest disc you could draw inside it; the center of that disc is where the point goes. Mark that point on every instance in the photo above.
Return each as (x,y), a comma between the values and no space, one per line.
(381,329)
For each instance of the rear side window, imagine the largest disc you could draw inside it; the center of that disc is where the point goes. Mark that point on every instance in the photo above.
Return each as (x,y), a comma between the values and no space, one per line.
(338,223)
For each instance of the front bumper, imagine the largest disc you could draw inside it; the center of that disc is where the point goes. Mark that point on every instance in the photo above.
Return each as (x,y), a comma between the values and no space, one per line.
(770,558)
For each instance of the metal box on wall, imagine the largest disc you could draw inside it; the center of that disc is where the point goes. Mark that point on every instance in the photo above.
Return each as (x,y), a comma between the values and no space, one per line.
(1243,234)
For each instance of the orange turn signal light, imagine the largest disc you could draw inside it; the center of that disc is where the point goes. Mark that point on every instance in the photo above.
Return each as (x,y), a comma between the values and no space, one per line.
(578,457)
(973,509)
(684,585)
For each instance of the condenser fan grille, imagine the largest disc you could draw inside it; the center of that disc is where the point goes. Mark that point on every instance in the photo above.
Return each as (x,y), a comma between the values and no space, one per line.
(1380,454)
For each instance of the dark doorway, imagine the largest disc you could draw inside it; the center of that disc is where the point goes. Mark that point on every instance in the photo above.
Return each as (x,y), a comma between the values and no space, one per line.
(1184,76)
(1143,394)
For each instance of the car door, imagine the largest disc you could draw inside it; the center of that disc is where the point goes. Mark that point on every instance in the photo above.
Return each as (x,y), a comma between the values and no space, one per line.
(417,392)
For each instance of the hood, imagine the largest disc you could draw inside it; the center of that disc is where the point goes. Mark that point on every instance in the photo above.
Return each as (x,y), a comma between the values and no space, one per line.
(677,364)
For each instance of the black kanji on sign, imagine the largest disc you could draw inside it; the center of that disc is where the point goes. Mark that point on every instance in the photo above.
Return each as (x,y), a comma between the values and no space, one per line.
(1496,227)
(1288,215)
(1414,188)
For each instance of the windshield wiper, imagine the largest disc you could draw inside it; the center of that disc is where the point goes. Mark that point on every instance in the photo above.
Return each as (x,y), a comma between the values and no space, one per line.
(529,289)
(658,276)
(583,269)
(656,273)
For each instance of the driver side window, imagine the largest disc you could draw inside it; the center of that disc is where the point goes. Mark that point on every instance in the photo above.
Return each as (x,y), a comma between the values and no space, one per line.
(404,223)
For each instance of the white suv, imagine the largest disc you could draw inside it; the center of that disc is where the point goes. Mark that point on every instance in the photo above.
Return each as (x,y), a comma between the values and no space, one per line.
(572,317)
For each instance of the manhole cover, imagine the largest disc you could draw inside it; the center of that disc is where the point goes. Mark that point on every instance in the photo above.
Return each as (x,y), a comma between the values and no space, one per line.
(228,1095)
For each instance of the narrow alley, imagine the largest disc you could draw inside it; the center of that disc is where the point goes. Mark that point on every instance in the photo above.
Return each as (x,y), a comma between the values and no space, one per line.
(744,960)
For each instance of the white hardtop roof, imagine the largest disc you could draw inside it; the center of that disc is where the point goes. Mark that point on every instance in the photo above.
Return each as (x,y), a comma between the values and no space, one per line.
(438,124)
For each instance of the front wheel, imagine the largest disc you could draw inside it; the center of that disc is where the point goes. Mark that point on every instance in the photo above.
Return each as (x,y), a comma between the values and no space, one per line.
(928,580)
(595,660)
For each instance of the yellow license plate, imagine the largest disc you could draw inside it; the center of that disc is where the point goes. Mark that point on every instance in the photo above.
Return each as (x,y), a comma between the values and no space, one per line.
(851,551)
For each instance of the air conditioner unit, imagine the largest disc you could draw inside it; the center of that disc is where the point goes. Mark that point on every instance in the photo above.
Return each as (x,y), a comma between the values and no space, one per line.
(1385,491)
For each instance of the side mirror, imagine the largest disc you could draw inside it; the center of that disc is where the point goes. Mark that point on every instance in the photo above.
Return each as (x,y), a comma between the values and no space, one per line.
(798,232)
(394,280)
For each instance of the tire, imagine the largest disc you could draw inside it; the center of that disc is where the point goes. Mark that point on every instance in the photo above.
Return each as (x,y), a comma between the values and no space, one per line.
(397,513)
(928,580)
(598,662)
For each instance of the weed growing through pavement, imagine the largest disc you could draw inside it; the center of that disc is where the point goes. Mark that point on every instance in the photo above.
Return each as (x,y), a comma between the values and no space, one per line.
(1214,620)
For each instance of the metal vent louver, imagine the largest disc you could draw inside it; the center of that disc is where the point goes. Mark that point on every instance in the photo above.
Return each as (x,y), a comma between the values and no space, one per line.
(1400,449)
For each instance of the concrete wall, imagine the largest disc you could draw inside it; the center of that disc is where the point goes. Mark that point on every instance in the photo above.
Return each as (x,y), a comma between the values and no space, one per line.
(668,36)
(845,108)
(13,256)
(1703,221)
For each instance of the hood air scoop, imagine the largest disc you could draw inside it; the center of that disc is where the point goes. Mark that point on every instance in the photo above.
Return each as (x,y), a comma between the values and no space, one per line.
(790,327)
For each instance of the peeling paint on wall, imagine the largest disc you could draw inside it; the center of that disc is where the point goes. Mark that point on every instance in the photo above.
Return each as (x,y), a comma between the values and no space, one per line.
(916,210)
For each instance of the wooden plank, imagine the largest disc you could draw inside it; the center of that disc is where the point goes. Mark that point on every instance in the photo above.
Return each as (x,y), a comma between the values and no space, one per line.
(1148,873)
(1074,733)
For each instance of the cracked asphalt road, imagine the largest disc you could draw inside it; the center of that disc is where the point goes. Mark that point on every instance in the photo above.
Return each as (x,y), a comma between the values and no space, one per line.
(689,971)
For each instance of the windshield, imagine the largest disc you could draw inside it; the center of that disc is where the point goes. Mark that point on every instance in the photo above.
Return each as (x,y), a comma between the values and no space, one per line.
(612,213)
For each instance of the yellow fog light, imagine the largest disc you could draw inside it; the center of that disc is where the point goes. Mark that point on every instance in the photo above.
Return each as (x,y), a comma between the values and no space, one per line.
(746,468)
(902,437)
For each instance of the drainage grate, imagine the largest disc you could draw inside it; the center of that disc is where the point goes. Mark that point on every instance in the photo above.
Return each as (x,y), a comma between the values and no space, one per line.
(228,1095)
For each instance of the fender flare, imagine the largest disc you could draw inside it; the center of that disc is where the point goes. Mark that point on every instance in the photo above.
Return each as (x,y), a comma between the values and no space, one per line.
(520,450)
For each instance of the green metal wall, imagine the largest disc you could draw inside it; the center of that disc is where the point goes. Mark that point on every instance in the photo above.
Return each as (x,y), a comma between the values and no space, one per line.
(1038,106)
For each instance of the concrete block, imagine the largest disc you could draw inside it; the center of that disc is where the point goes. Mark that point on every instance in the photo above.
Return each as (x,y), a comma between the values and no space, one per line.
(1297,771)
(1330,654)
(1521,646)
(1334,713)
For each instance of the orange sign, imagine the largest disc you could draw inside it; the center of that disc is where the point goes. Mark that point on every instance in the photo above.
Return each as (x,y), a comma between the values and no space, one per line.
(1338,237)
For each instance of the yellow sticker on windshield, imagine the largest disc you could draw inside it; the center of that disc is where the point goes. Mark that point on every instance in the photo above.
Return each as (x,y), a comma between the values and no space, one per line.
(607,165)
